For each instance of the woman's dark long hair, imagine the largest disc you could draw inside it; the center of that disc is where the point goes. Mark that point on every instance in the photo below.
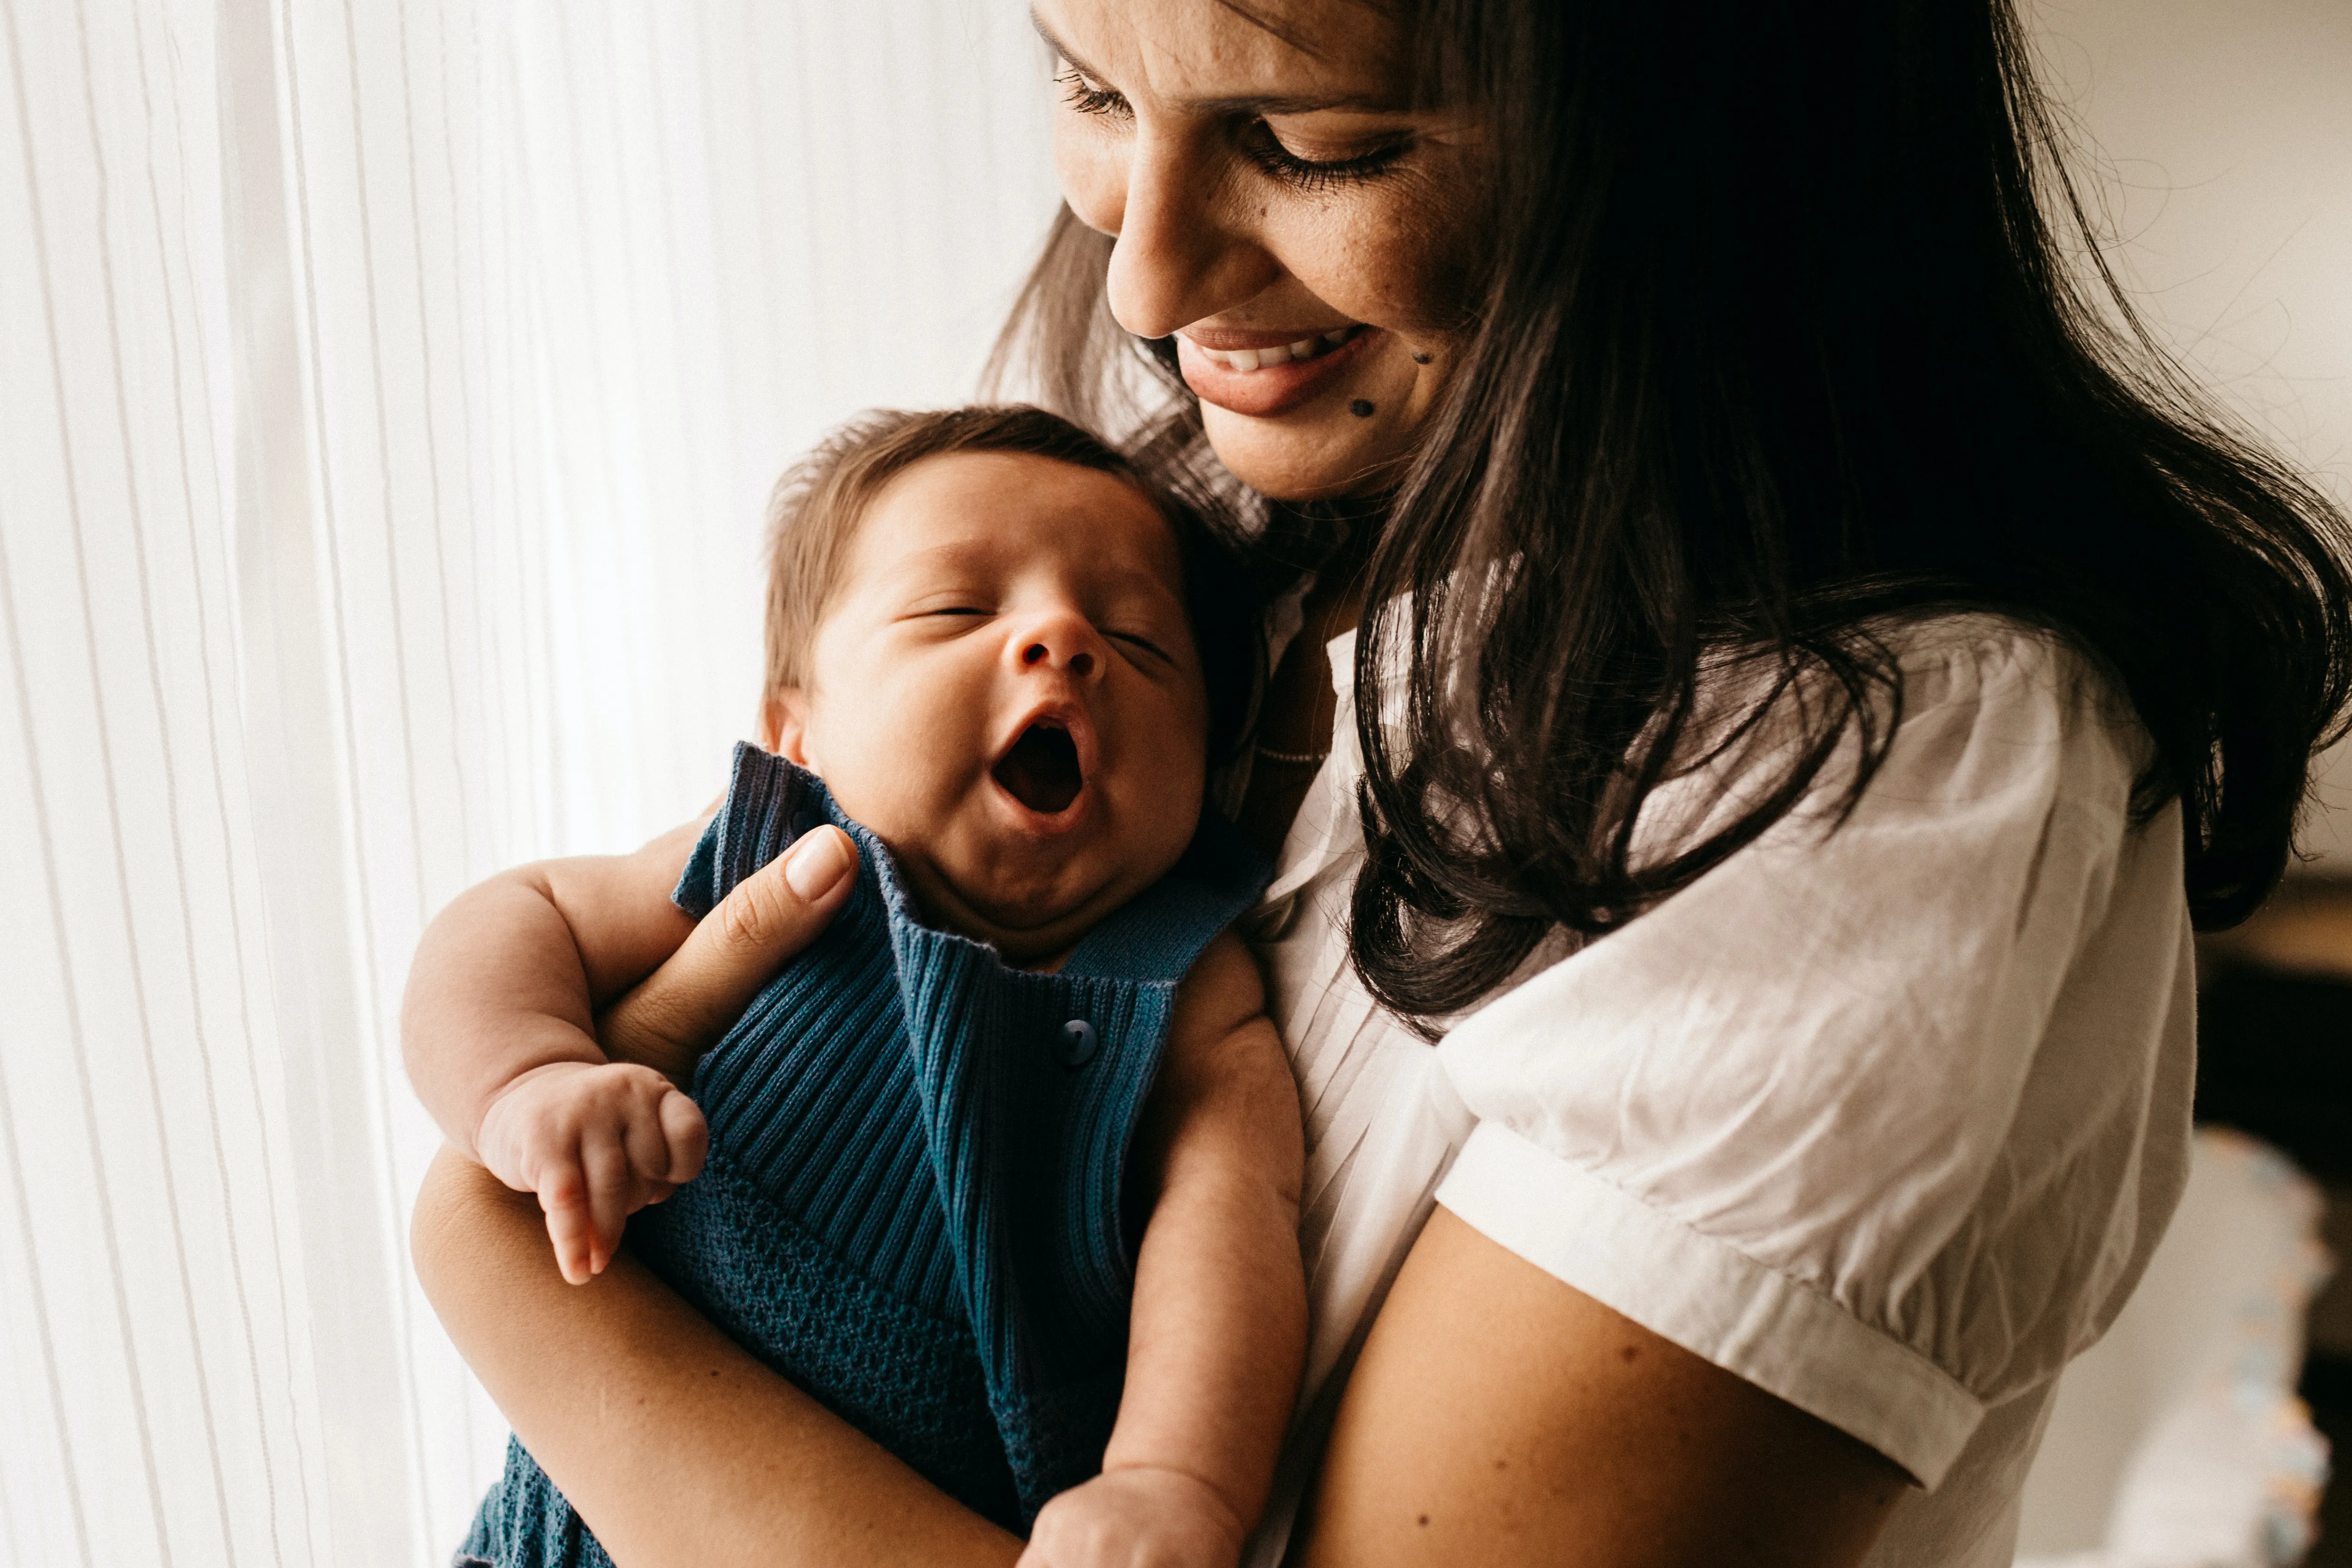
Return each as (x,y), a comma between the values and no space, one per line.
(1793,325)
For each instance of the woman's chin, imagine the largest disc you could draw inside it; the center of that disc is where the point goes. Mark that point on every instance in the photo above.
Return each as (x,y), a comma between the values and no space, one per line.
(1352,438)
(1310,454)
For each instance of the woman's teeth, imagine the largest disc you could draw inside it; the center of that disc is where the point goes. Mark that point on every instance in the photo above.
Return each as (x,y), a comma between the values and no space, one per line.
(1281,353)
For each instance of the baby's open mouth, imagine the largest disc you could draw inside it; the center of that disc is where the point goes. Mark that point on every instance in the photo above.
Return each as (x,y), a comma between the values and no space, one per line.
(1042,768)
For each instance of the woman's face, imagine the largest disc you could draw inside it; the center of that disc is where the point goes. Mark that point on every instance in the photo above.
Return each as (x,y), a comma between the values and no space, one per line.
(1278,205)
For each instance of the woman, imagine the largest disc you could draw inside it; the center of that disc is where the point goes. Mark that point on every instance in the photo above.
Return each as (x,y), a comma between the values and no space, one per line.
(1823,662)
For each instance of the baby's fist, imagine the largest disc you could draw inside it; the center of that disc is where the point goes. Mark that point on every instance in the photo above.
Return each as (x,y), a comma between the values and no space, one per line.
(597,1142)
(1139,1518)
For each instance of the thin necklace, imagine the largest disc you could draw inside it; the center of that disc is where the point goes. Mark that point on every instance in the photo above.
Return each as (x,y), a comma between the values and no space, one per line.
(1296,758)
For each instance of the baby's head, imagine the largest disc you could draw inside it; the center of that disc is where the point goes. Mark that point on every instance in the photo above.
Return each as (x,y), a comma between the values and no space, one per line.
(986,633)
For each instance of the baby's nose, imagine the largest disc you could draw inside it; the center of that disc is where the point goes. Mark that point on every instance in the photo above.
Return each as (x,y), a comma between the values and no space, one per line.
(1080,663)
(1062,641)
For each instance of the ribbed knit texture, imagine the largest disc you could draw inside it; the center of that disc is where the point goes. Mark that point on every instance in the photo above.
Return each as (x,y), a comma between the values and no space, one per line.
(913,1207)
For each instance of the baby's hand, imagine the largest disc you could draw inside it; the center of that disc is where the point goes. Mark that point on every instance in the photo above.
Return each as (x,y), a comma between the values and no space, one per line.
(597,1142)
(1140,1517)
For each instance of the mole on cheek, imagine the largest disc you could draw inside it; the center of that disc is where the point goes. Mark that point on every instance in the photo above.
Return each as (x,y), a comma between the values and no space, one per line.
(1360,409)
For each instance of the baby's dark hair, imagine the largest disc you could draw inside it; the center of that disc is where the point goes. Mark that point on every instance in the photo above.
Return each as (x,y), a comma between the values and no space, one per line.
(817,506)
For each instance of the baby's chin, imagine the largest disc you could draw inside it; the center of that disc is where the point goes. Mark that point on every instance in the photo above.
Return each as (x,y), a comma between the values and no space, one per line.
(1030,907)
(1029,922)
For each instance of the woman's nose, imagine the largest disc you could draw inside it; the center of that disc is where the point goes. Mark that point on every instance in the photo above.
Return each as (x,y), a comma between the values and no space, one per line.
(1061,641)
(1180,257)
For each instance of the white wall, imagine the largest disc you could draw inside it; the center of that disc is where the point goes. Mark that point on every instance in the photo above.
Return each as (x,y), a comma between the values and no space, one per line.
(2224,131)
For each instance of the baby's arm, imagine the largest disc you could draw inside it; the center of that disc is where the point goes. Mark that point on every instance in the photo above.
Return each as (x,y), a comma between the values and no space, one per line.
(499,1028)
(1219,1328)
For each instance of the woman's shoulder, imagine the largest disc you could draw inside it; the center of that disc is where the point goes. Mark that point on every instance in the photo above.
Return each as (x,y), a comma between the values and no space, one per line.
(2010,699)
(1985,653)
(1967,712)
(1828,1114)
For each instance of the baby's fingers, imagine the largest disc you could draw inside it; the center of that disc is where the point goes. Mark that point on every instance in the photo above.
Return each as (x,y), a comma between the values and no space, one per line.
(609,1186)
(665,1136)
(688,1136)
(563,1194)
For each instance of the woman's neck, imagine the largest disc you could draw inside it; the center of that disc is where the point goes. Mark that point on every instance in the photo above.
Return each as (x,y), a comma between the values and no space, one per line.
(1295,728)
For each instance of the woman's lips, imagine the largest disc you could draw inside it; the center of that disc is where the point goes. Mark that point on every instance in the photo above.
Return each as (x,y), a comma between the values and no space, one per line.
(1269,389)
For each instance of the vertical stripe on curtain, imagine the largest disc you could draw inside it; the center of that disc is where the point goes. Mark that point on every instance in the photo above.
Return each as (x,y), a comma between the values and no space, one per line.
(387,396)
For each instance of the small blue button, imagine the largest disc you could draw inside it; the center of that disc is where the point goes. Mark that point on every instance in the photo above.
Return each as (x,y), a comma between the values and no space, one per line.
(1077,1045)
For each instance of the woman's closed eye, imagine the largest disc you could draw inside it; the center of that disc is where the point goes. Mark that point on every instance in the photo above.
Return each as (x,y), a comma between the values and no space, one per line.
(1087,98)
(1256,136)
(1267,150)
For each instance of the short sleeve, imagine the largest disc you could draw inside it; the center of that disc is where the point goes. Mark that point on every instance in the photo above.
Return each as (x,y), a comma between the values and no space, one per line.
(1883,1118)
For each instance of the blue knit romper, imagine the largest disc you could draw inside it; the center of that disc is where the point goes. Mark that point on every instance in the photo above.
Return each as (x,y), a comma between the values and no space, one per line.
(913,1206)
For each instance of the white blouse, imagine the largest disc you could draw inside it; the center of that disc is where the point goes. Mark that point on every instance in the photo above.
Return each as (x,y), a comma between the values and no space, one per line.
(1886,1120)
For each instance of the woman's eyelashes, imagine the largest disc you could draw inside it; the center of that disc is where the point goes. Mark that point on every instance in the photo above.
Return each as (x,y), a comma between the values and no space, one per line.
(1256,138)
(1267,152)
(1085,97)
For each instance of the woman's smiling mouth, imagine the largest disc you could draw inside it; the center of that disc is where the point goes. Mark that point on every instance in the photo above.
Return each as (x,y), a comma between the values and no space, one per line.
(1257,358)
(1267,377)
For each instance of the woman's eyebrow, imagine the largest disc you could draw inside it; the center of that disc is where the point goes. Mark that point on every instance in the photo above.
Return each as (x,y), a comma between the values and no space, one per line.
(1254,103)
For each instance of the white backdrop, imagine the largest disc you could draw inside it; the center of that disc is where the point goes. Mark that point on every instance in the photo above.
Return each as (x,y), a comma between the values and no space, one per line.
(388,396)
(387,392)
(2225,141)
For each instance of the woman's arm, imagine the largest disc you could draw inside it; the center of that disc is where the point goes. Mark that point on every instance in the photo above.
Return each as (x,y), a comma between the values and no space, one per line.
(1527,1422)
(677,1448)
(1498,1416)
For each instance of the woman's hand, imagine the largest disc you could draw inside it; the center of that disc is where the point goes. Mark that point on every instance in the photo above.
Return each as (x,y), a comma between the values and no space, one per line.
(678,1011)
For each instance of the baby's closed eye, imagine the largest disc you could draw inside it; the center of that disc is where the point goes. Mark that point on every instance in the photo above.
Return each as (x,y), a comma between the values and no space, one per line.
(1137,642)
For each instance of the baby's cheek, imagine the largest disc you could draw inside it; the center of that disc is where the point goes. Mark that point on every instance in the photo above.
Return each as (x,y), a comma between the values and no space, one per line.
(898,801)
(1175,775)
(892,751)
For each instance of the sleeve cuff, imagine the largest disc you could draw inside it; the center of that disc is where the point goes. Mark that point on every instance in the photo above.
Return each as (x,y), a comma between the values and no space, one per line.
(1714,1302)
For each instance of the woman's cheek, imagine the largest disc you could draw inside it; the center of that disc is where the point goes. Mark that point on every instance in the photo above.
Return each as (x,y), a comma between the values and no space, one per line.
(1394,272)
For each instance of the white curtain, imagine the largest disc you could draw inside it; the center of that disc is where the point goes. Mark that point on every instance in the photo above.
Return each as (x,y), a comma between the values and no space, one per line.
(388,389)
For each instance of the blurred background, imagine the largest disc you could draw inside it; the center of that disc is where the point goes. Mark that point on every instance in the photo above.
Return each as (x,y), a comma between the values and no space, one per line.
(390,389)
(2220,141)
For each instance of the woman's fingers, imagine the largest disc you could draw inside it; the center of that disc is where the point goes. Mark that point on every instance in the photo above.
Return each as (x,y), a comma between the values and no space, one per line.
(680,1010)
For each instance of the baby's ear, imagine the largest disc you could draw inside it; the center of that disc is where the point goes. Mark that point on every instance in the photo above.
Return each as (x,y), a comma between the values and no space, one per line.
(783,725)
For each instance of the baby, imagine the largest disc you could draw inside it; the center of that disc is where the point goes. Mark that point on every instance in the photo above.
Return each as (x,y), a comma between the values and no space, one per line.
(1003,1168)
